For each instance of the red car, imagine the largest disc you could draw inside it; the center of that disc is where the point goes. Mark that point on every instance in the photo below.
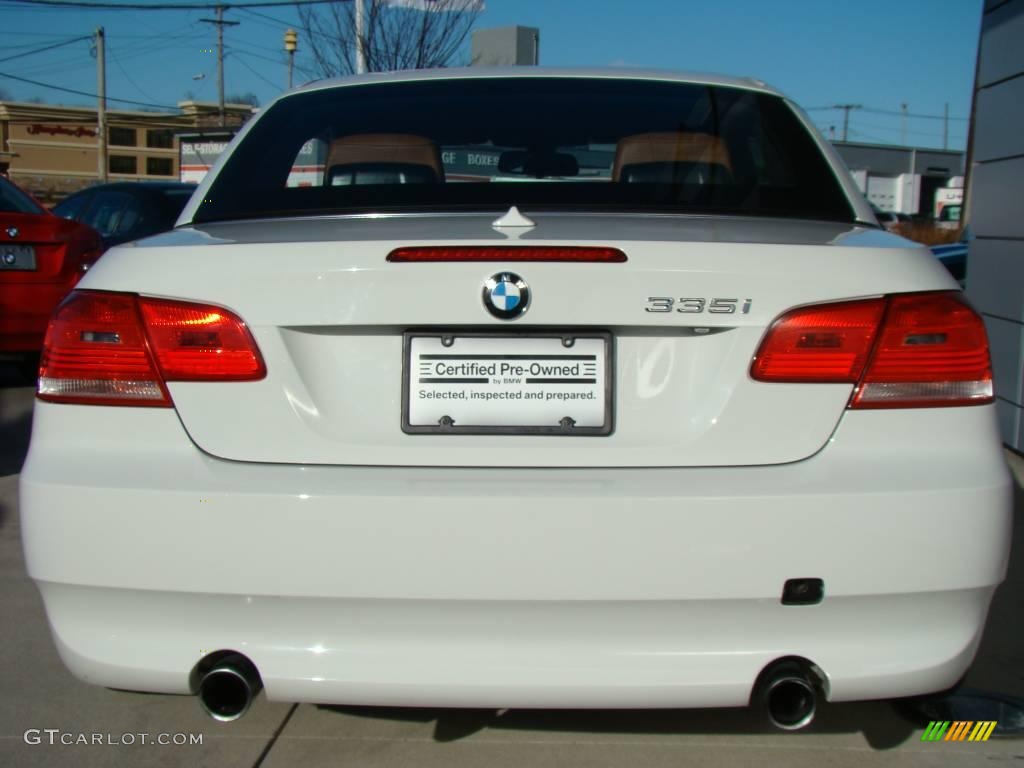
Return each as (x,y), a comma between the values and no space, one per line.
(42,256)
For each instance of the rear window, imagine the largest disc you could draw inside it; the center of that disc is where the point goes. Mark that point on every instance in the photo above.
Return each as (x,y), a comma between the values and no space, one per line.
(113,213)
(13,200)
(538,143)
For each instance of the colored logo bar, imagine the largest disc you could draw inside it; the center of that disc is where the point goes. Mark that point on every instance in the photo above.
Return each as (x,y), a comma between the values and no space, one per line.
(959,730)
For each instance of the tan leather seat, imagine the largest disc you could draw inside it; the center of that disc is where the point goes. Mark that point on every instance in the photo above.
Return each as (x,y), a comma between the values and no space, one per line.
(381,151)
(670,148)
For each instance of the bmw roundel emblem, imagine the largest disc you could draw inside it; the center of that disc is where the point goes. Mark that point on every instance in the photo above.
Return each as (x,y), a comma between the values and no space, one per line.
(506,295)
(12,232)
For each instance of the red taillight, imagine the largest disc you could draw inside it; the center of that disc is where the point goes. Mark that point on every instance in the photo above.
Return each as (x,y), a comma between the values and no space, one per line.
(96,352)
(908,351)
(826,343)
(932,350)
(198,342)
(508,253)
(118,349)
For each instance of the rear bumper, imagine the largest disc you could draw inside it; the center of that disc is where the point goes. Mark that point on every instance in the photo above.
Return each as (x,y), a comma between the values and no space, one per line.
(558,654)
(517,587)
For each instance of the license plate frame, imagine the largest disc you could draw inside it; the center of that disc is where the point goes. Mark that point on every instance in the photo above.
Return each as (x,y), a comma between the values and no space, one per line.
(566,340)
(17,257)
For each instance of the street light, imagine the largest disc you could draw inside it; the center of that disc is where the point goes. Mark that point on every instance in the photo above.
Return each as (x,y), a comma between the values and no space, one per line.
(291,43)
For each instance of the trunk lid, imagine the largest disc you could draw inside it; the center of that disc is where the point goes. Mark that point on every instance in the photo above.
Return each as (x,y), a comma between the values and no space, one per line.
(57,245)
(329,314)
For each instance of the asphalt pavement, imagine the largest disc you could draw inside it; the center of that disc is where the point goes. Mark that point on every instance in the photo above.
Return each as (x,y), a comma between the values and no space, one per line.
(40,702)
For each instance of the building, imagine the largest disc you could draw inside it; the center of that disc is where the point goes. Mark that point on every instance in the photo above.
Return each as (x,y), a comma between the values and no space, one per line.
(995,262)
(901,179)
(52,150)
(505,46)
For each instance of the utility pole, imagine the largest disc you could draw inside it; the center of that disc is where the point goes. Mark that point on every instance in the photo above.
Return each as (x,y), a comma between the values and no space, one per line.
(360,39)
(101,106)
(903,123)
(291,42)
(220,24)
(846,116)
(945,127)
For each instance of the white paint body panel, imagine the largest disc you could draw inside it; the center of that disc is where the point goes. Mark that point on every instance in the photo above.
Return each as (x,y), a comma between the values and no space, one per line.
(626,587)
(328,313)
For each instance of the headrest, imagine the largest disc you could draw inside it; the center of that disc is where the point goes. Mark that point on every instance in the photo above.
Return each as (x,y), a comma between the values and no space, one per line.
(385,148)
(670,147)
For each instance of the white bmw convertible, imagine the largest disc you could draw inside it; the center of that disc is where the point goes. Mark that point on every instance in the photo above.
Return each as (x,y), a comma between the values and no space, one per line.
(520,388)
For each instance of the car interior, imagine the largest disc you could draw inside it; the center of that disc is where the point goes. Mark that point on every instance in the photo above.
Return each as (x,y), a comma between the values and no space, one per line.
(383,158)
(662,158)
(672,158)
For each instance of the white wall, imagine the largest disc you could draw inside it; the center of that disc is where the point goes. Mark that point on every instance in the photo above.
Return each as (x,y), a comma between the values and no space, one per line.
(908,193)
(883,191)
(890,193)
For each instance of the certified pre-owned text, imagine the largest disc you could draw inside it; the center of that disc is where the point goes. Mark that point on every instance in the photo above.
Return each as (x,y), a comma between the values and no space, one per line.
(504,368)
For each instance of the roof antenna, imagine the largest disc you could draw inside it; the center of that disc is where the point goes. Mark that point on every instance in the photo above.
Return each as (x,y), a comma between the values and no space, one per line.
(513,219)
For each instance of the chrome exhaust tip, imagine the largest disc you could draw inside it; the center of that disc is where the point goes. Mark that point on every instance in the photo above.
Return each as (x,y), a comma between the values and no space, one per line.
(788,695)
(227,689)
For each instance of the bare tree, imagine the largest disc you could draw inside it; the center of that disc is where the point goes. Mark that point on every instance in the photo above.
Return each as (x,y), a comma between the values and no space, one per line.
(397,34)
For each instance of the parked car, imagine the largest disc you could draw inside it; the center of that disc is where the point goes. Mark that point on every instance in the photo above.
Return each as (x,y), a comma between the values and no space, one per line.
(667,421)
(953,256)
(42,257)
(125,211)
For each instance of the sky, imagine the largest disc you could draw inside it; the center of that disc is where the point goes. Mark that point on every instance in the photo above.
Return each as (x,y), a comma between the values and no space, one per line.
(880,54)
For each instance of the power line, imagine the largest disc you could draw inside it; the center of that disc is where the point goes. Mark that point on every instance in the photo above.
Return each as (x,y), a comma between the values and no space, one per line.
(274,19)
(893,113)
(847,108)
(130,51)
(169,44)
(124,72)
(868,136)
(220,23)
(930,134)
(81,93)
(48,47)
(18,33)
(283,23)
(51,66)
(279,61)
(256,47)
(240,60)
(154,120)
(889,113)
(257,55)
(105,6)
